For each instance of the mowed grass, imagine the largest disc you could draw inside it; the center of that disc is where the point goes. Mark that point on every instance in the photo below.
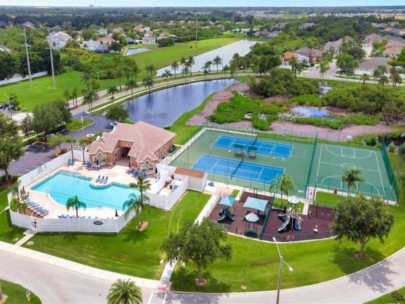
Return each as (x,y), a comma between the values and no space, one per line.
(16,293)
(328,199)
(76,124)
(162,57)
(392,297)
(42,90)
(131,251)
(8,233)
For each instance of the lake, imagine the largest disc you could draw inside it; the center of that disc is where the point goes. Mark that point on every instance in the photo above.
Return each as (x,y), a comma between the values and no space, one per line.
(164,107)
(242,47)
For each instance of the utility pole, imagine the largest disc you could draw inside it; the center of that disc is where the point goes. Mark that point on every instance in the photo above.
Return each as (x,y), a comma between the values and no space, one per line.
(50,50)
(28,57)
(196,33)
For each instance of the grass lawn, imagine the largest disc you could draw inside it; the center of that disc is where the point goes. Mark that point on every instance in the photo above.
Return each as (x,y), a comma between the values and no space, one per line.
(131,251)
(328,199)
(397,296)
(76,124)
(42,91)
(16,293)
(8,233)
(165,56)
(313,262)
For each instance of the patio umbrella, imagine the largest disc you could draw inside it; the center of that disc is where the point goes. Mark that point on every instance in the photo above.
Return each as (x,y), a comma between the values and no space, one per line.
(252,217)
(293,200)
(227,200)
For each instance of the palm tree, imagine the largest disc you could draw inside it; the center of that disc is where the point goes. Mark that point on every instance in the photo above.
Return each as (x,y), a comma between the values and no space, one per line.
(364,78)
(225,69)
(323,67)
(70,140)
(383,80)
(131,85)
(74,94)
(185,72)
(118,73)
(175,66)
(167,75)
(217,61)
(401,157)
(148,82)
(284,184)
(111,91)
(352,176)
(124,292)
(395,77)
(207,68)
(89,97)
(135,202)
(190,63)
(85,78)
(74,202)
(67,95)
(150,68)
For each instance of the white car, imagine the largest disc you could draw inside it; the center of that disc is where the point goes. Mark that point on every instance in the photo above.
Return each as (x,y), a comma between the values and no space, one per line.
(90,135)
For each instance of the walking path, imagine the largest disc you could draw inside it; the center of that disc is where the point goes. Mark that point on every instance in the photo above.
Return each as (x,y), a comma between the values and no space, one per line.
(56,280)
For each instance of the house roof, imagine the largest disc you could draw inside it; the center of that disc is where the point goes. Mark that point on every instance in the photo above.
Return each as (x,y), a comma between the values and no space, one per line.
(145,140)
(372,63)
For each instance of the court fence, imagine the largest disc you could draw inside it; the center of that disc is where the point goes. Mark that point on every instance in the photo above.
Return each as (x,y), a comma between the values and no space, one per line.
(311,164)
(390,171)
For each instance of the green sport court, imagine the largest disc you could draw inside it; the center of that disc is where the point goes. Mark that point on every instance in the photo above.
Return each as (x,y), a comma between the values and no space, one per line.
(250,161)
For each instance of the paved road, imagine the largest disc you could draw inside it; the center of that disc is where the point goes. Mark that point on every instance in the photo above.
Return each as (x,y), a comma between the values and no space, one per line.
(67,284)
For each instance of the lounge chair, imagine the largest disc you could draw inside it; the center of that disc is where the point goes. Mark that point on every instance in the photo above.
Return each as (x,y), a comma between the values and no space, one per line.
(98,178)
(102,179)
(105,180)
(69,162)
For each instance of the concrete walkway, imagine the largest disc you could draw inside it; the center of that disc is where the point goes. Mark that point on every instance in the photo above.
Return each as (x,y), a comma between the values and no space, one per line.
(56,280)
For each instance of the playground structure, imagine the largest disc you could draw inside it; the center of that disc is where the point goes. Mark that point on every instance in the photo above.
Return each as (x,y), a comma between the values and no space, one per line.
(292,218)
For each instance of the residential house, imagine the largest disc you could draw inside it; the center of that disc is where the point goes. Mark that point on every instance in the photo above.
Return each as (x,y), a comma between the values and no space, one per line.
(314,55)
(287,56)
(149,38)
(130,40)
(107,40)
(367,66)
(139,27)
(102,31)
(118,30)
(334,46)
(394,46)
(91,45)
(140,145)
(58,40)
(305,26)
(369,39)
(28,25)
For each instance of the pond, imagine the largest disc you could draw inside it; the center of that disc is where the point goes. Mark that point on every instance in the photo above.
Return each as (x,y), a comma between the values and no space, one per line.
(133,51)
(162,108)
(310,112)
(226,53)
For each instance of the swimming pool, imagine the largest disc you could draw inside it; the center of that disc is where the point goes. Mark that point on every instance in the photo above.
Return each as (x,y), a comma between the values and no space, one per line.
(63,185)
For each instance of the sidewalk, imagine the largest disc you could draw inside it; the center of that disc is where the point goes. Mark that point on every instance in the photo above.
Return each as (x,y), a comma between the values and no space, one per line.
(77,267)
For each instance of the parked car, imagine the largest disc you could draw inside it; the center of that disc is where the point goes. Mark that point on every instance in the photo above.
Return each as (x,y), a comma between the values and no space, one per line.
(171,150)
(90,135)
(113,124)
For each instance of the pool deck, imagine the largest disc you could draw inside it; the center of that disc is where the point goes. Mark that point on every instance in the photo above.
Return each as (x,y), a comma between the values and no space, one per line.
(116,174)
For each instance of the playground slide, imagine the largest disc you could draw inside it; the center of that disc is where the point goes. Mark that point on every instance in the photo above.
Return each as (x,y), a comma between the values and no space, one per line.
(285,224)
(296,224)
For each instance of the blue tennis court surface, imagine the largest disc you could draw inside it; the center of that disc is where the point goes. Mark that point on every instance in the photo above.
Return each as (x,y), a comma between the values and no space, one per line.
(237,169)
(261,147)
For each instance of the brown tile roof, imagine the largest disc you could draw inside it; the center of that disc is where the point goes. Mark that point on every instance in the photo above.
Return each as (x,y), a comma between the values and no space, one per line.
(189,172)
(145,140)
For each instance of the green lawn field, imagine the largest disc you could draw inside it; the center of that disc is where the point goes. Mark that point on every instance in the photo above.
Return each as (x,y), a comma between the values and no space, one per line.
(43,92)
(16,293)
(131,251)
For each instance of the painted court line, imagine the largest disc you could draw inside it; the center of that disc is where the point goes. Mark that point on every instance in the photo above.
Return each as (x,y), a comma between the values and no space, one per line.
(354,166)
(379,171)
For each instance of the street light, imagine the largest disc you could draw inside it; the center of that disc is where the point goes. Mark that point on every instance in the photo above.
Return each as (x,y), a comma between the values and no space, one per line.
(279,271)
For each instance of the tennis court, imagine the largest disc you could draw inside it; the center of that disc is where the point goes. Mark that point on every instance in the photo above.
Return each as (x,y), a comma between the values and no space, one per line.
(240,169)
(259,146)
(308,163)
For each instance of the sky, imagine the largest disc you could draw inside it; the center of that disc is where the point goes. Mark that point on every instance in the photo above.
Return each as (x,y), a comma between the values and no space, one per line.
(201,3)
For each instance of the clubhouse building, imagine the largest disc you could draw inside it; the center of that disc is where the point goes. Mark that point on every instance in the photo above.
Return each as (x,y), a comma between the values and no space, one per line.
(141,144)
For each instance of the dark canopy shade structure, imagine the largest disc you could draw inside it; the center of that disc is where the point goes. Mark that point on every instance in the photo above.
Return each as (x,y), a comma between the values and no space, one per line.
(255,203)
(227,200)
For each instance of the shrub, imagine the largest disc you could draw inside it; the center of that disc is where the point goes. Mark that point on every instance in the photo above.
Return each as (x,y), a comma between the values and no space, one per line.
(308,100)
(391,148)
(370,140)
(319,122)
(260,124)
